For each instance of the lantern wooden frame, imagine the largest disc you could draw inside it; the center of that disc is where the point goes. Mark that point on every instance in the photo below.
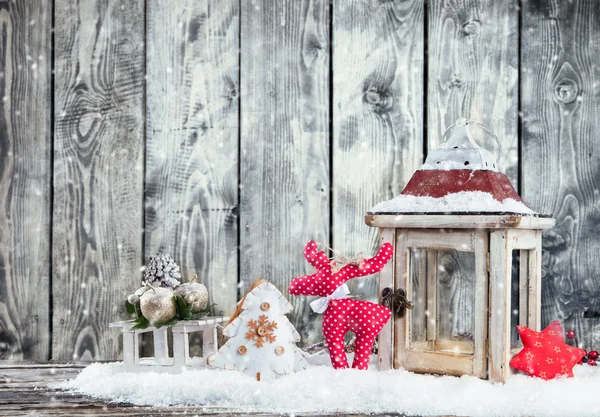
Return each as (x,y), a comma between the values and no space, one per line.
(494,236)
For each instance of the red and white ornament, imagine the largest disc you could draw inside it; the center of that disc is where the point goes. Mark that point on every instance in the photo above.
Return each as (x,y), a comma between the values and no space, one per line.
(343,314)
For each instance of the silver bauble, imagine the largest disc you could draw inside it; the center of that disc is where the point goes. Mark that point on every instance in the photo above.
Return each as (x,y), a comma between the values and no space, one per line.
(158,305)
(133,299)
(194,294)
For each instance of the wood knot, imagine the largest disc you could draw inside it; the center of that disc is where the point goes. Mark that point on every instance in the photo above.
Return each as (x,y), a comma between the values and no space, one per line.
(566,90)
(232,94)
(379,101)
(471,28)
(456,81)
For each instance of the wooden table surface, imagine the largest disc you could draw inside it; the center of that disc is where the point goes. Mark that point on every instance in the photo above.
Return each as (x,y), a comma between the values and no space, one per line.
(24,391)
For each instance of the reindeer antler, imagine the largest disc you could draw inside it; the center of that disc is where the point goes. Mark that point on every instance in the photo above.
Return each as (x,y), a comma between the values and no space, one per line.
(318,282)
(371,265)
(313,256)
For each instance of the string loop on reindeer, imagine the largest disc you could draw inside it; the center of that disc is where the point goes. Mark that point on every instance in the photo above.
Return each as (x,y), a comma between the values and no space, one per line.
(338,260)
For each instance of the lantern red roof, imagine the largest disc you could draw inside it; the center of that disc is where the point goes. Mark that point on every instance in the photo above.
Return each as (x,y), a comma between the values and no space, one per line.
(458,177)
(440,183)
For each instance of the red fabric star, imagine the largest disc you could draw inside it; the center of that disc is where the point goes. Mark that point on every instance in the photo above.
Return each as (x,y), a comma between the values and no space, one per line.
(545,354)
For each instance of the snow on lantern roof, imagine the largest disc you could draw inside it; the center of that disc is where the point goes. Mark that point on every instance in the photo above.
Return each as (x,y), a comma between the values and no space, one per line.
(457,178)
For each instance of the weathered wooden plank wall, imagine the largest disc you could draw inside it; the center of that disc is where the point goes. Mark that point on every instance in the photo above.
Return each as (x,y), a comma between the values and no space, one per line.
(25,179)
(257,125)
(284,189)
(192,140)
(98,171)
(561,153)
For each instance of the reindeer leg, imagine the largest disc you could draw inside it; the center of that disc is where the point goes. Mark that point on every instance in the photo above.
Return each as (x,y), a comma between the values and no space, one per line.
(334,336)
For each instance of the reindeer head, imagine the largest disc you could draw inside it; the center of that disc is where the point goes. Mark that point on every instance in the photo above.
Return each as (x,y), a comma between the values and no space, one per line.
(325,281)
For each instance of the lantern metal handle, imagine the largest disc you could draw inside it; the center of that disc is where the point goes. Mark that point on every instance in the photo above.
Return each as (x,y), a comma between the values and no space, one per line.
(462,121)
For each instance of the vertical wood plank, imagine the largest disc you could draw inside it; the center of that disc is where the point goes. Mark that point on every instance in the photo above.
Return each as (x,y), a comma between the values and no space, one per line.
(209,342)
(534,298)
(480,304)
(192,140)
(377,115)
(98,178)
(561,168)
(161,347)
(284,144)
(499,307)
(131,351)
(25,179)
(474,72)
(386,280)
(181,347)
(403,281)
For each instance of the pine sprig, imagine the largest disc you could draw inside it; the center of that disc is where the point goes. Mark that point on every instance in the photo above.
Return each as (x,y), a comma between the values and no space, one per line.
(133,309)
(183,310)
(141,323)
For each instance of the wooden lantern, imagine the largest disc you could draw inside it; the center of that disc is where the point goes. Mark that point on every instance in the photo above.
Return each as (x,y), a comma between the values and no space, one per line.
(462,251)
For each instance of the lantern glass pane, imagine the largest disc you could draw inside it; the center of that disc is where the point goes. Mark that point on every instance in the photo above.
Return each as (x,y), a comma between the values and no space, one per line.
(442,289)
(455,301)
(523,270)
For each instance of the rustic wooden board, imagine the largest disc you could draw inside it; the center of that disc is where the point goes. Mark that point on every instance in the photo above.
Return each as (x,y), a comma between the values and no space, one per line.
(377,115)
(561,172)
(284,194)
(385,339)
(98,172)
(192,140)
(473,72)
(25,179)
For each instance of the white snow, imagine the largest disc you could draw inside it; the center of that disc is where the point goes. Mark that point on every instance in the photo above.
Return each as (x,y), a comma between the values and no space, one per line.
(321,389)
(463,201)
(453,165)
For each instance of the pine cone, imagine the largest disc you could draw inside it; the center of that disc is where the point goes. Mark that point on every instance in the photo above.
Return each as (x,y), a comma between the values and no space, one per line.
(162,271)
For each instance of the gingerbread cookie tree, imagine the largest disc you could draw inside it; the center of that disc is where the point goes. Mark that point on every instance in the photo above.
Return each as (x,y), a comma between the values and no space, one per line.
(262,340)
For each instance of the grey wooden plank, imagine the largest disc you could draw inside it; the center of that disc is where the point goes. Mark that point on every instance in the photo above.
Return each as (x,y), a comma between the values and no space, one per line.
(377,115)
(192,140)
(473,72)
(560,164)
(98,178)
(284,144)
(25,179)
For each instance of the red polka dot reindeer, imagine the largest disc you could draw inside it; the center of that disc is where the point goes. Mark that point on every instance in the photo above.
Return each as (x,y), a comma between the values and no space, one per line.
(343,314)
